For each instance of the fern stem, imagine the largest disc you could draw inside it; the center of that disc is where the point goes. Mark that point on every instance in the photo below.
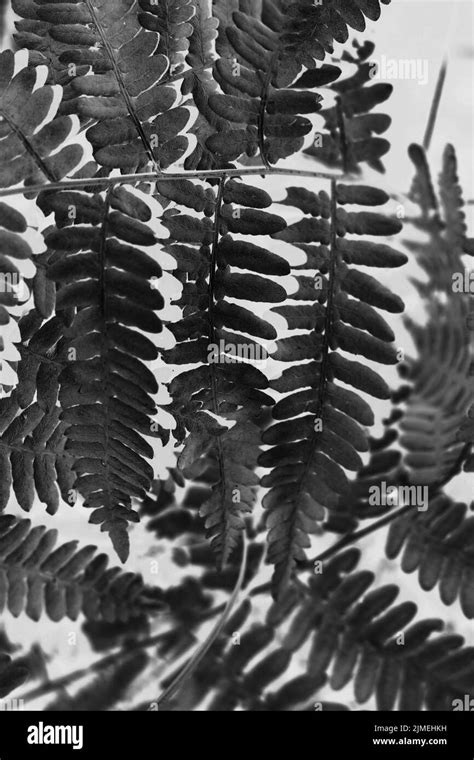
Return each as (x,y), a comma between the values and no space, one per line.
(21,449)
(103,289)
(213,261)
(30,149)
(216,631)
(332,284)
(212,333)
(263,110)
(435,105)
(101,183)
(352,538)
(341,123)
(325,349)
(121,84)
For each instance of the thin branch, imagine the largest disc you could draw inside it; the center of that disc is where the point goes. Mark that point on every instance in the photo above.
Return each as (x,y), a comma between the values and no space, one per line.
(213,267)
(117,72)
(101,183)
(352,538)
(96,667)
(106,662)
(216,631)
(435,105)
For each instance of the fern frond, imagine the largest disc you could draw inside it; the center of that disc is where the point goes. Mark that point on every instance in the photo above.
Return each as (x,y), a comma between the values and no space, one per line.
(313,28)
(255,70)
(357,634)
(171,21)
(442,218)
(127,96)
(441,393)
(351,128)
(223,389)
(318,434)
(384,464)
(34,140)
(200,84)
(368,641)
(16,266)
(270,52)
(108,278)
(32,441)
(340,629)
(35,578)
(439,543)
(442,388)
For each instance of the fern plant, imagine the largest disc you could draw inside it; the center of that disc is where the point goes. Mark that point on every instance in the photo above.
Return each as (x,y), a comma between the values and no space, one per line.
(197,338)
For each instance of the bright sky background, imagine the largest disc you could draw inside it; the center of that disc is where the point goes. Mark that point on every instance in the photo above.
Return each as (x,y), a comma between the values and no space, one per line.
(427,30)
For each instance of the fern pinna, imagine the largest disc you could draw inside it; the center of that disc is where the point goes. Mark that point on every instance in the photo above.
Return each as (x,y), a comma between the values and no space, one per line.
(190,343)
(106,388)
(132,125)
(222,385)
(318,434)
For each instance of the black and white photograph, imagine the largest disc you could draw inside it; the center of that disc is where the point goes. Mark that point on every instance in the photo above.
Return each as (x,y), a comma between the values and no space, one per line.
(237,367)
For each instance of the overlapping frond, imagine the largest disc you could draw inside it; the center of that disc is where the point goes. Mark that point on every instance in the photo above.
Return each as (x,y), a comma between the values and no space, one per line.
(351,127)
(260,106)
(439,544)
(376,644)
(336,630)
(114,73)
(256,67)
(16,264)
(320,422)
(200,84)
(171,20)
(34,463)
(107,279)
(442,383)
(36,577)
(357,633)
(440,396)
(219,400)
(35,143)
(442,218)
